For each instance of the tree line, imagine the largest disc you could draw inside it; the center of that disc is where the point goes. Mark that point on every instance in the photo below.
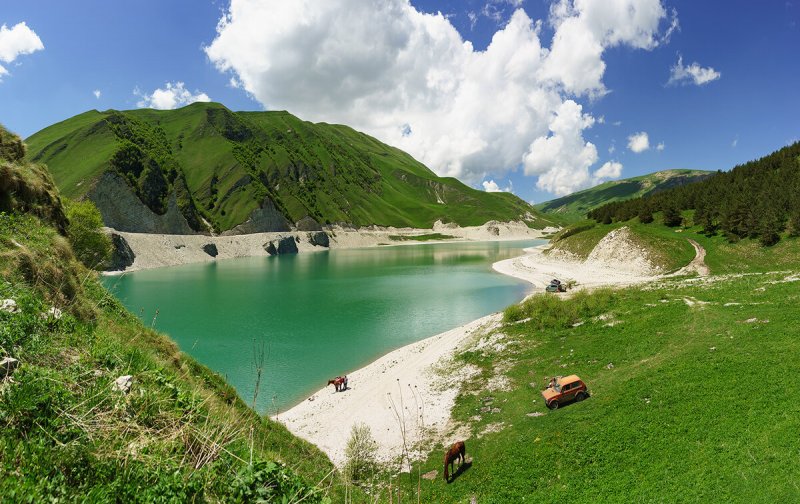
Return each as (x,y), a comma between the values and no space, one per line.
(759,199)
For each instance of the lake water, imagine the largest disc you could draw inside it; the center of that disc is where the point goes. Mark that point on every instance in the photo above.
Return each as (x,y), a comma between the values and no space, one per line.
(318,315)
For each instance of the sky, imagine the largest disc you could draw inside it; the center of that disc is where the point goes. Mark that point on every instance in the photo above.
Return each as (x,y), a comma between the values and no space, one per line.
(538,97)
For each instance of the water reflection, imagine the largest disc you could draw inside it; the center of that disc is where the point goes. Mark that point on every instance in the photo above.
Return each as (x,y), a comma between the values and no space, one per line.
(319,314)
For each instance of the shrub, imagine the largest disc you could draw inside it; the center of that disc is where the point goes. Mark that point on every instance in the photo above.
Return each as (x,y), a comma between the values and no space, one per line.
(271,482)
(90,245)
(553,312)
(360,454)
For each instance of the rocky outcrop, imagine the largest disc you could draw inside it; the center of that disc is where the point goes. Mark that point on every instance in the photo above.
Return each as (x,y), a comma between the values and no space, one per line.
(266,219)
(308,224)
(210,249)
(319,239)
(122,255)
(280,246)
(123,383)
(123,210)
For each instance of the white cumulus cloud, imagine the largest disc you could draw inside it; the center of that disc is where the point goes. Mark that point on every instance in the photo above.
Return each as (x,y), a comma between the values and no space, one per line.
(609,170)
(409,78)
(492,186)
(660,147)
(694,73)
(17,41)
(639,142)
(562,159)
(172,95)
(97,93)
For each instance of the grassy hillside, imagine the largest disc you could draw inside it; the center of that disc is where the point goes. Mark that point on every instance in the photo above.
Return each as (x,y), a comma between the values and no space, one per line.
(665,248)
(760,198)
(68,434)
(222,165)
(574,207)
(683,377)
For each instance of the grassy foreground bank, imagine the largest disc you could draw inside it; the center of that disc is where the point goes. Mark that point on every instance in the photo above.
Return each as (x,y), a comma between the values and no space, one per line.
(97,407)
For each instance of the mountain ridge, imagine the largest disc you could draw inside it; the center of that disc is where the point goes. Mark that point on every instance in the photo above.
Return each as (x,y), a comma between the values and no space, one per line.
(223,167)
(575,206)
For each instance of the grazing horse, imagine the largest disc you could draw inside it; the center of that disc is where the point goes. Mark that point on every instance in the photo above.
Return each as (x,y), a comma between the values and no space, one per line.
(337,382)
(456,452)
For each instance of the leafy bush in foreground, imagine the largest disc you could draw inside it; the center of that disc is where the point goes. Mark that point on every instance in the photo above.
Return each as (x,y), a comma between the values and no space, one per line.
(91,246)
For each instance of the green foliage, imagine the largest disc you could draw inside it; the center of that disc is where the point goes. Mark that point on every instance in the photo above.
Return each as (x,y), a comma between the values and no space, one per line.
(268,481)
(91,245)
(753,200)
(672,217)
(553,312)
(645,215)
(360,453)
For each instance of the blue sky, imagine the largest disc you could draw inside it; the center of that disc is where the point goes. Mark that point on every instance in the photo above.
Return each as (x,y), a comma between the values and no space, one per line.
(460,120)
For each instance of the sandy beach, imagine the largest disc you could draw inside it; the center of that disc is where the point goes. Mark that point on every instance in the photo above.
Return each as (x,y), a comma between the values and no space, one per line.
(159,250)
(326,418)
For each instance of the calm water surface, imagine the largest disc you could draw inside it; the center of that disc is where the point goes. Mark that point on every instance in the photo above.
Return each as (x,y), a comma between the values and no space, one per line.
(318,315)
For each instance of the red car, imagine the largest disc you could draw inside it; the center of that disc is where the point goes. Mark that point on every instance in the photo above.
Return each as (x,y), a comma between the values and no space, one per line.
(565,389)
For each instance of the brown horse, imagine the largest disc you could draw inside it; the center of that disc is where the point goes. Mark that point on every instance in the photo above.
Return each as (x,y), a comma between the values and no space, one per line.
(456,452)
(337,382)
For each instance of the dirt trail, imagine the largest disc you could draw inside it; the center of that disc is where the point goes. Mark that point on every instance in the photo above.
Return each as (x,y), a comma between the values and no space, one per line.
(698,264)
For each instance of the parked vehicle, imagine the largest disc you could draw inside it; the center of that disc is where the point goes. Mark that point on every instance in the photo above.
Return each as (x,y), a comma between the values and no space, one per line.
(556,286)
(563,389)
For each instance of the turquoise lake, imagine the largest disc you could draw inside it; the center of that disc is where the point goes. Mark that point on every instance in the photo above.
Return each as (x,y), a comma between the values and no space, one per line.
(318,315)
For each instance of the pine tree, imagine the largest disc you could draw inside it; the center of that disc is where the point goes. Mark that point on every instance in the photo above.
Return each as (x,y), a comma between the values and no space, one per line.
(645,215)
(672,216)
(794,223)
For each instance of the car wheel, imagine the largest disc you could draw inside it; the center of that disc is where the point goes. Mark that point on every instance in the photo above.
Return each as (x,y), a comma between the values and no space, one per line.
(552,405)
(581,396)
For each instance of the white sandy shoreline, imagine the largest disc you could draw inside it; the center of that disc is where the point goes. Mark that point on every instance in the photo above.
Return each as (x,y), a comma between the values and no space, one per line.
(158,250)
(327,417)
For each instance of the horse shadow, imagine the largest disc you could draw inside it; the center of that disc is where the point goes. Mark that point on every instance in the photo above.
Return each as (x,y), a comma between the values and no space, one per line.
(460,470)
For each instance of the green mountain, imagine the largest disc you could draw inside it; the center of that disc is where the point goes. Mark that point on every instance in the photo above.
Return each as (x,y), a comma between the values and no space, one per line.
(574,207)
(205,166)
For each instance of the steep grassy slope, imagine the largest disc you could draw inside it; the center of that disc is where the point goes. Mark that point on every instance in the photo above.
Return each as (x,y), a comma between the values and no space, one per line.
(67,434)
(574,207)
(223,165)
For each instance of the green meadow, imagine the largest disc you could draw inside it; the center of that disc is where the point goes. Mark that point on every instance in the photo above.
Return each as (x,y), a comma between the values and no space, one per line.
(691,382)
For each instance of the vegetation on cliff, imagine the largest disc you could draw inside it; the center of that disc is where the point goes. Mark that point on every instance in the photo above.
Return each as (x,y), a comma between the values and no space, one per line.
(223,165)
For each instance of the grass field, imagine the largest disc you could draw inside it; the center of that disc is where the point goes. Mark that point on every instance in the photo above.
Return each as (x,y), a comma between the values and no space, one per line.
(691,391)
(691,401)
